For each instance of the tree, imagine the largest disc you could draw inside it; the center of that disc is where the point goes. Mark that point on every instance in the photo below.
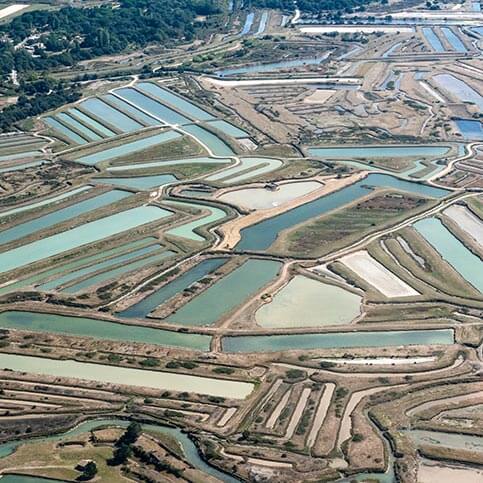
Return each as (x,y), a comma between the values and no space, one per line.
(121,454)
(90,470)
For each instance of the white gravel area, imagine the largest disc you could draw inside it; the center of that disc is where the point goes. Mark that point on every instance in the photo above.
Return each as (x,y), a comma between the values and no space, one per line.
(11,9)
(377,275)
(467,221)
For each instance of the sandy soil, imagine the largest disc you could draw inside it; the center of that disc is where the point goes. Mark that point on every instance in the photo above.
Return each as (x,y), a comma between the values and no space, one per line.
(377,275)
(231,230)
(297,414)
(429,472)
(278,410)
(321,413)
(467,221)
(320,29)
(226,416)
(305,80)
(319,96)
(11,9)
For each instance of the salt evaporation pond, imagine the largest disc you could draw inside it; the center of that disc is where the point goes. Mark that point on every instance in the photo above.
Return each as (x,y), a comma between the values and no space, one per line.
(116,118)
(145,306)
(127,376)
(68,133)
(433,39)
(77,209)
(64,279)
(150,106)
(127,108)
(226,294)
(177,101)
(274,66)
(102,255)
(459,88)
(140,182)
(188,230)
(263,234)
(208,139)
(274,343)
(129,148)
(305,302)
(78,126)
(91,122)
(78,236)
(452,250)
(100,329)
(378,151)
(470,129)
(116,273)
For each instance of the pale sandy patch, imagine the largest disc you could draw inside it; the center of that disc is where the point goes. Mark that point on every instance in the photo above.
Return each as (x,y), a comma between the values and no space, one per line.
(430,472)
(297,414)
(304,80)
(11,9)
(260,198)
(431,91)
(379,360)
(467,221)
(227,415)
(321,29)
(269,463)
(319,96)
(377,275)
(321,413)
(278,410)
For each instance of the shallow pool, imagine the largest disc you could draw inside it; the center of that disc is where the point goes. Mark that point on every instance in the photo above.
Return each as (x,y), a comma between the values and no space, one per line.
(226,294)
